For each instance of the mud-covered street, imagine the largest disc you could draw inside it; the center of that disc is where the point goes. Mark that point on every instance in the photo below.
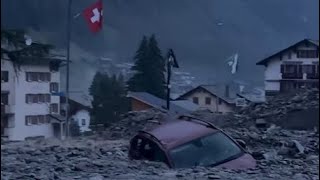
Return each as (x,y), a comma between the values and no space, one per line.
(281,153)
(278,153)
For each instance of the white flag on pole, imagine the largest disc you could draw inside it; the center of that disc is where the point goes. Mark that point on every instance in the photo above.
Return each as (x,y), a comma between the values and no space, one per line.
(233,62)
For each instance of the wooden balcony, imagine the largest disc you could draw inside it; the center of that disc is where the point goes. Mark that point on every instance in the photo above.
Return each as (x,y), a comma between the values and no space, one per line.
(313,76)
(292,75)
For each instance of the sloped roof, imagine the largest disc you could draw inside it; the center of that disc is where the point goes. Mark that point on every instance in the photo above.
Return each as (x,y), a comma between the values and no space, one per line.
(215,90)
(316,42)
(266,60)
(252,98)
(220,91)
(181,107)
(186,104)
(78,103)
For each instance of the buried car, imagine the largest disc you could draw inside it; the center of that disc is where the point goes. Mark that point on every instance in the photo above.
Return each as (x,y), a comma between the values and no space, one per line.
(186,142)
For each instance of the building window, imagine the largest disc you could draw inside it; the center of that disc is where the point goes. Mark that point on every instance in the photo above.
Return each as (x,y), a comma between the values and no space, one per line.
(309,69)
(219,101)
(34,120)
(63,112)
(4,76)
(83,122)
(4,98)
(47,98)
(54,108)
(54,87)
(47,119)
(289,68)
(208,100)
(37,119)
(41,119)
(307,54)
(42,98)
(28,120)
(289,55)
(38,98)
(38,76)
(195,100)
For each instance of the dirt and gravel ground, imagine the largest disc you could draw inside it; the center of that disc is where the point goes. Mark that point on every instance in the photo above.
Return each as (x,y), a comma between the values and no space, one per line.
(280,153)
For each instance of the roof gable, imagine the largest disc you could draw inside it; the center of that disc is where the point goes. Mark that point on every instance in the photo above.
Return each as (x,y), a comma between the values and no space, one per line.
(214,90)
(266,60)
(160,104)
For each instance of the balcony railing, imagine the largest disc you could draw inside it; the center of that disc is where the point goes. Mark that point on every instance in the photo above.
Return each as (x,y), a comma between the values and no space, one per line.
(292,75)
(312,75)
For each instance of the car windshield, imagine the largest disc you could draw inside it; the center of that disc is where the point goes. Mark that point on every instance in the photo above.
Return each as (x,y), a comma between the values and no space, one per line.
(205,151)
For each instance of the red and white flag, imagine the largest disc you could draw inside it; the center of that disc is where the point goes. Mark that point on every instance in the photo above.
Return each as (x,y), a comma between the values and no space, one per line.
(93,16)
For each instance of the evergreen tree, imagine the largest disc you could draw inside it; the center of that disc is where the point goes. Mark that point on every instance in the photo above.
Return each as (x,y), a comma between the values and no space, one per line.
(149,69)
(16,48)
(156,68)
(137,82)
(108,99)
(96,91)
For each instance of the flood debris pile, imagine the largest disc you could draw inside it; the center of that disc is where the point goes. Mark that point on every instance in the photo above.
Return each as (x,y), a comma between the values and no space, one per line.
(285,143)
(279,154)
(278,108)
(134,121)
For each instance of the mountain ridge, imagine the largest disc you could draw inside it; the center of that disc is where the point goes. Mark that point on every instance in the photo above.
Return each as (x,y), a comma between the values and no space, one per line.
(202,33)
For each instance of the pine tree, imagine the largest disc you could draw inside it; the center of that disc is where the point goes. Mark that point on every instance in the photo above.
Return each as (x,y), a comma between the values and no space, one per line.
(96,91)
(16,48)
(109,100)
(149,67)
(136,83)
(157,69)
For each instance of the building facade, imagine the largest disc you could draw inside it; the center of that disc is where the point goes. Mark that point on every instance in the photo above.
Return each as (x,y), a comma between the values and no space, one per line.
(79,111)
(26,100)
(141,101)
(217,99)
(292,68)
(82,117)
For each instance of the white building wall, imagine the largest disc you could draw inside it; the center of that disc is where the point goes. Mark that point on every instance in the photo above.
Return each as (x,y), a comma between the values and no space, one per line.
(272,72)
(272,86)
(79,116)
(19,87)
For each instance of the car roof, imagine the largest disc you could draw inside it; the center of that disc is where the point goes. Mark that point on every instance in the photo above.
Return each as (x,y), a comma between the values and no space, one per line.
(177,132)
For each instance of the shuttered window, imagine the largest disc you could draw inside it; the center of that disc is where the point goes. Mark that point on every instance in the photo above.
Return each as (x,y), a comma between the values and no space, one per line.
(4,76)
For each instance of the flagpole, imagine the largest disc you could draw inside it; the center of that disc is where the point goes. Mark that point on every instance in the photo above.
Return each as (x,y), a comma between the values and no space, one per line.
(68,66)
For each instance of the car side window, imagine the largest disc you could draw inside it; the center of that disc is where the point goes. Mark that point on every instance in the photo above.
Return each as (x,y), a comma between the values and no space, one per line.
(142,148)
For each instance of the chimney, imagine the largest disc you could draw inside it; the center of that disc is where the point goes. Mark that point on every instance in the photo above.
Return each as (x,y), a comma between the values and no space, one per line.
(226,93)
(241,88)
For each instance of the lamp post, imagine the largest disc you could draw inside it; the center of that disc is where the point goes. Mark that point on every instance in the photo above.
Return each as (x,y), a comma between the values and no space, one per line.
(68,62)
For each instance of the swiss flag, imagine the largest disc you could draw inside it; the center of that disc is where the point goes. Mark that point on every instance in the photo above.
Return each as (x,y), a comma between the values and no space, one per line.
(93,15)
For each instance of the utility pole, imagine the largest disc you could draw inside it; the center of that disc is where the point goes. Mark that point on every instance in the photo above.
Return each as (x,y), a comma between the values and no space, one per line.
(168,83)
(68,66)
(171,61)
